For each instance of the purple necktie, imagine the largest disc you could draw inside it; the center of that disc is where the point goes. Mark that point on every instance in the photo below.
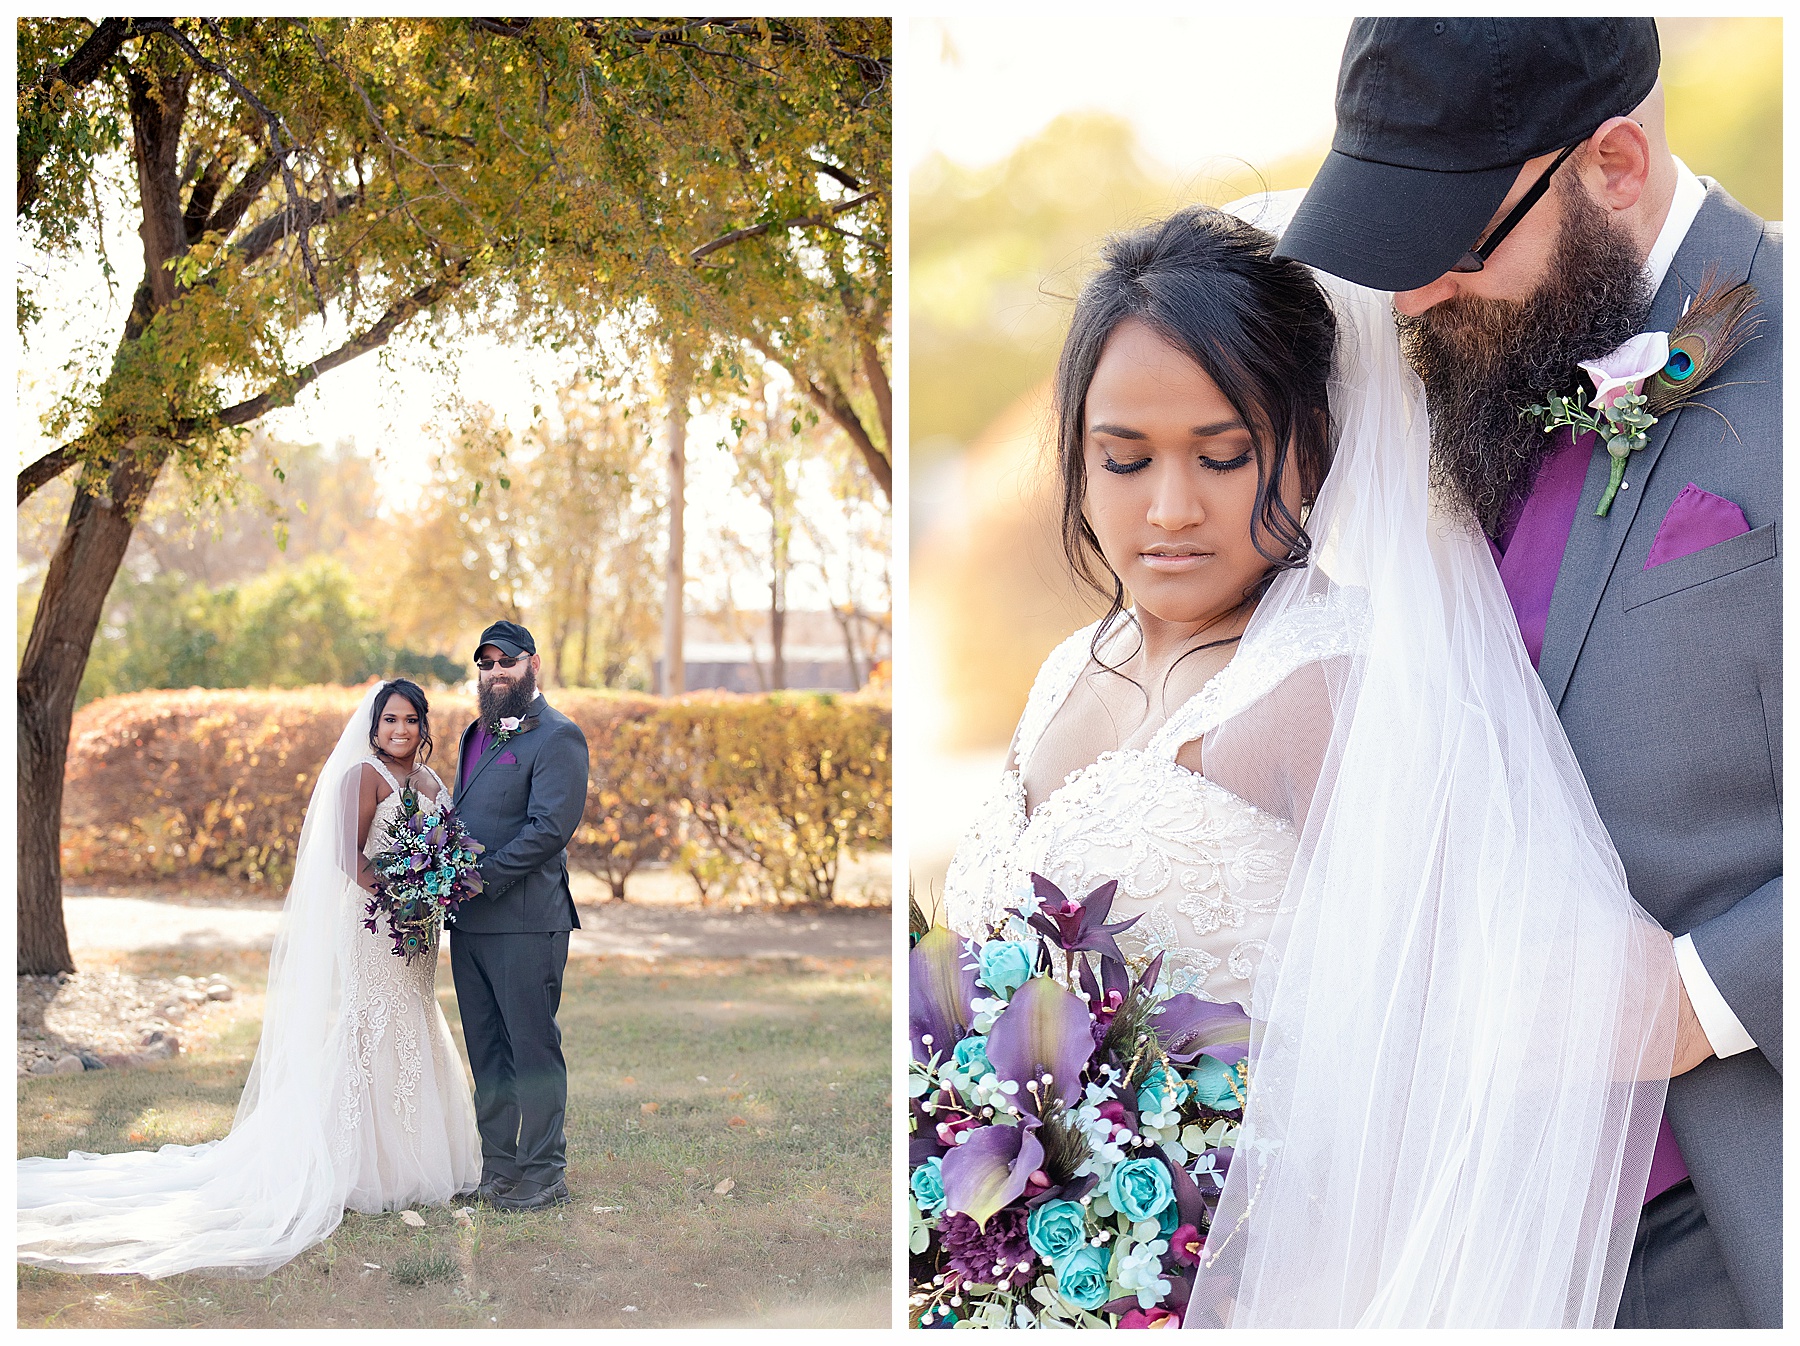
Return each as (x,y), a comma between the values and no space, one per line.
(1529,564)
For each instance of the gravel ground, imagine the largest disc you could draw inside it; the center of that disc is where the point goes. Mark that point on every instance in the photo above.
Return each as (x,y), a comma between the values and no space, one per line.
(106,1017)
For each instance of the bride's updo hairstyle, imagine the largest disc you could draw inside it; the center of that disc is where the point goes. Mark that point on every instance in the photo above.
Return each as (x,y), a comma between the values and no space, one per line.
(413,693)
(1260,327)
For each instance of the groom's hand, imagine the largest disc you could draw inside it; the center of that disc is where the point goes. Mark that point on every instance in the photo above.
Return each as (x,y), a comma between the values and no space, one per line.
(1691,1046)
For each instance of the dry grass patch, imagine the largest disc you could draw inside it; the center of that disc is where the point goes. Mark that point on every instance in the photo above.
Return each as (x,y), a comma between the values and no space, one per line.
(728,1155)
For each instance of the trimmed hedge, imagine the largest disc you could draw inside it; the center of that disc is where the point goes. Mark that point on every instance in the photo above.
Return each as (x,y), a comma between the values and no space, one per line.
(764,793)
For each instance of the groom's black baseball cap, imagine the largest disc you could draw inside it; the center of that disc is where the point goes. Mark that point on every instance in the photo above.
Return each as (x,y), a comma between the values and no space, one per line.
(1435,118)
(509,637)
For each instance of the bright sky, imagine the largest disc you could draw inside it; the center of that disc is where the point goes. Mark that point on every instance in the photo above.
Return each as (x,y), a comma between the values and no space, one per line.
(1197,88)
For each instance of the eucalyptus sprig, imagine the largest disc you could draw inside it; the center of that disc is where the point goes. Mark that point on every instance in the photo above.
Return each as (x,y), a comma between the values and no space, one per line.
(1623,426)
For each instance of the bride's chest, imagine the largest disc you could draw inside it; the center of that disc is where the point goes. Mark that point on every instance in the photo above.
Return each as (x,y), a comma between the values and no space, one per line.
(1142,819)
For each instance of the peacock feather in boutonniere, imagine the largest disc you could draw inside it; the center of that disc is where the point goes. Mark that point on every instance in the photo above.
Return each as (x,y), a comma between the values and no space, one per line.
(1654,374)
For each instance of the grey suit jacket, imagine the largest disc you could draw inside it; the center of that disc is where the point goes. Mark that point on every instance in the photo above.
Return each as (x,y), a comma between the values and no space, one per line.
(523,801)
(1668,682)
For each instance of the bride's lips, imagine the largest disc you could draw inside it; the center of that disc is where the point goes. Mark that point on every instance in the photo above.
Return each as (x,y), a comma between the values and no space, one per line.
(1173,562)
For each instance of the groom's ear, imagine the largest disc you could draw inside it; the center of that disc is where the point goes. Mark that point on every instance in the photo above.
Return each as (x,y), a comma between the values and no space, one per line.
(1617,166)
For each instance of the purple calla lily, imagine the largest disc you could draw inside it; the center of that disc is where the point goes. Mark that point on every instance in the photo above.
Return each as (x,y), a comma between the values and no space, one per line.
(989,1170)
(1187,1026)
(939,989)
(1042,1031)
(1074,926)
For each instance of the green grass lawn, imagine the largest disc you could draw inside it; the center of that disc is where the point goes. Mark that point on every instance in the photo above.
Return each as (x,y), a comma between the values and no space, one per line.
(791,1118)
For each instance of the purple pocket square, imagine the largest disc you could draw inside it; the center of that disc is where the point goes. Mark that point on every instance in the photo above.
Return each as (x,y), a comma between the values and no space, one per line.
(1696,519)
(506,759)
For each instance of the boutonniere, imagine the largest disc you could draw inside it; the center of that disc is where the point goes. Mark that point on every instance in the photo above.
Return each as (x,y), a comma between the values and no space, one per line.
(1653,374)
(505,727)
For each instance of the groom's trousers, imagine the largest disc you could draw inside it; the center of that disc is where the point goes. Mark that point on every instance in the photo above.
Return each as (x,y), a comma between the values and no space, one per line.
(508,988)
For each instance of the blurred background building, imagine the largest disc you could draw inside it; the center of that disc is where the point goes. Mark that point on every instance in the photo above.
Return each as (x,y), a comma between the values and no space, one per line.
(1034,143)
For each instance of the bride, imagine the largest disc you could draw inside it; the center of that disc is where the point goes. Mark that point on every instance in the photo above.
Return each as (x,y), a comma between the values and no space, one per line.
(356,1099)
(1308,744)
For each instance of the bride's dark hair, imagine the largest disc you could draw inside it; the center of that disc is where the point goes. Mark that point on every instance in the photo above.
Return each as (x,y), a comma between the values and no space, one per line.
(1260,327)
(414,694)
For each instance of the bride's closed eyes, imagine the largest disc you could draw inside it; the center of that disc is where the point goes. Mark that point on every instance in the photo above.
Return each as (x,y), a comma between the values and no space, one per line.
(1111,464)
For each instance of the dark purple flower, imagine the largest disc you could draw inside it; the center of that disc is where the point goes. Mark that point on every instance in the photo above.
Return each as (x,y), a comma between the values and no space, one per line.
(973,1250)
(1185,1243)
(1073,926)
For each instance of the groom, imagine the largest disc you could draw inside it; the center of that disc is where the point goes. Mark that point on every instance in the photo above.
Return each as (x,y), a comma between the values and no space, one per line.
(521,784)
(1655,628)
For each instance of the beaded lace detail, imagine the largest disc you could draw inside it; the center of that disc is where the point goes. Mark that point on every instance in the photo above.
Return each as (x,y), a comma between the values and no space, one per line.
(1203,868)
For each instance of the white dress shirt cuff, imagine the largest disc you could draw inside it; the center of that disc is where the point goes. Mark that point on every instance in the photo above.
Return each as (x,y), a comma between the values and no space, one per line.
(1717,1021)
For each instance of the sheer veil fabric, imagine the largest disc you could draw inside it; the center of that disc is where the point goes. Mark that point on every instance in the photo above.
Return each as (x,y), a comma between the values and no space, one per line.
(1465,1021)
(277,1184)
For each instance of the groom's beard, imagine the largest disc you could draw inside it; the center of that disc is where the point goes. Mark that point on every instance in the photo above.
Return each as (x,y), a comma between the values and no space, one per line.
(506,701)
(1483,360)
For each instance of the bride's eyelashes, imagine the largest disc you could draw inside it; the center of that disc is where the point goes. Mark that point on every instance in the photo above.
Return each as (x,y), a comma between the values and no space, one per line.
(1212,464)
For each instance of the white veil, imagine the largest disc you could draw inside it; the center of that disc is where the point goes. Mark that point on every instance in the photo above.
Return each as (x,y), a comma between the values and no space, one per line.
(1466,1021)
(273,1187)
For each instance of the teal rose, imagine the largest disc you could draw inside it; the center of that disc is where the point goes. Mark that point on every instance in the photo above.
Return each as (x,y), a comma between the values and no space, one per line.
(1056,1229)
(1141,1188)
(1212,1081)
(1005,966)
(970,1056)
(1081,1278)
(1161,1091)
(928,1186)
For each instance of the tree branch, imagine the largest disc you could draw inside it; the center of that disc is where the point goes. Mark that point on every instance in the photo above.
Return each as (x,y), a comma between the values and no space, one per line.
(236,205)
(46,469)
(837,406)
(279,144)
(80,70)
(370,339)
(291,218)
(824,217)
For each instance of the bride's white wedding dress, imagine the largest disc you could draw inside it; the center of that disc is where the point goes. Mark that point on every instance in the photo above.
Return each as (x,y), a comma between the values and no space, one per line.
(1462,1022)
(1201,867)
(356,1100)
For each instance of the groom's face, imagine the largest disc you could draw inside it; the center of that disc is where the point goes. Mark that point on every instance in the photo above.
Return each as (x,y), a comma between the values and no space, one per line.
(505,691)
(1489,343)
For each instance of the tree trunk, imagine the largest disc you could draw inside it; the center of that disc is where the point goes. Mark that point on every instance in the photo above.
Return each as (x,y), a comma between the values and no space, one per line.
(674,678)
(81,573)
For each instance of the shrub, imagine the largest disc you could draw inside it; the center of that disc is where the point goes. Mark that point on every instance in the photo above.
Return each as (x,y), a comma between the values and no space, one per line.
(185,784)
(784,784)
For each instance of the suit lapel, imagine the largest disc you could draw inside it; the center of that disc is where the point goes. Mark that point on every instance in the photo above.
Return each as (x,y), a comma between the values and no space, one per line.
(1719,235)
(493,749)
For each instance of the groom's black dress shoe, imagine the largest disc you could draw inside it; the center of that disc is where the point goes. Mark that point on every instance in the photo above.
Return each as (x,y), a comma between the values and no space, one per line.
(532,1196)
(494,1187)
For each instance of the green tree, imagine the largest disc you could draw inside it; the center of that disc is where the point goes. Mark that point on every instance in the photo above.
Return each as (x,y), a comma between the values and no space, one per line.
(305,187)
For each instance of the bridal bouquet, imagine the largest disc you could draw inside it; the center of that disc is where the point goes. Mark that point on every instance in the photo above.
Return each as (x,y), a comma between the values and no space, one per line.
(1071,1124)
(427,872)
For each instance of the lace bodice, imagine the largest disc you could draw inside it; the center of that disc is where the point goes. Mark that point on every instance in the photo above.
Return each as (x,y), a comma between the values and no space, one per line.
(389,807)
(1204,868)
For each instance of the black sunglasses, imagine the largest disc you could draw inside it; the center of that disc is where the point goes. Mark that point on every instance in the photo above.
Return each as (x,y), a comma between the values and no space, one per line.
(1476,257)
(486,664)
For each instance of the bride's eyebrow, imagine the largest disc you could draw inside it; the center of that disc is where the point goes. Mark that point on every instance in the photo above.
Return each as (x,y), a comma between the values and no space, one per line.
(1117,432)
(1198,431)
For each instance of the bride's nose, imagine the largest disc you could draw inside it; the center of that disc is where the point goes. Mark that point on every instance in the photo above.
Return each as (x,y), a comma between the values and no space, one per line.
(1175,503)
